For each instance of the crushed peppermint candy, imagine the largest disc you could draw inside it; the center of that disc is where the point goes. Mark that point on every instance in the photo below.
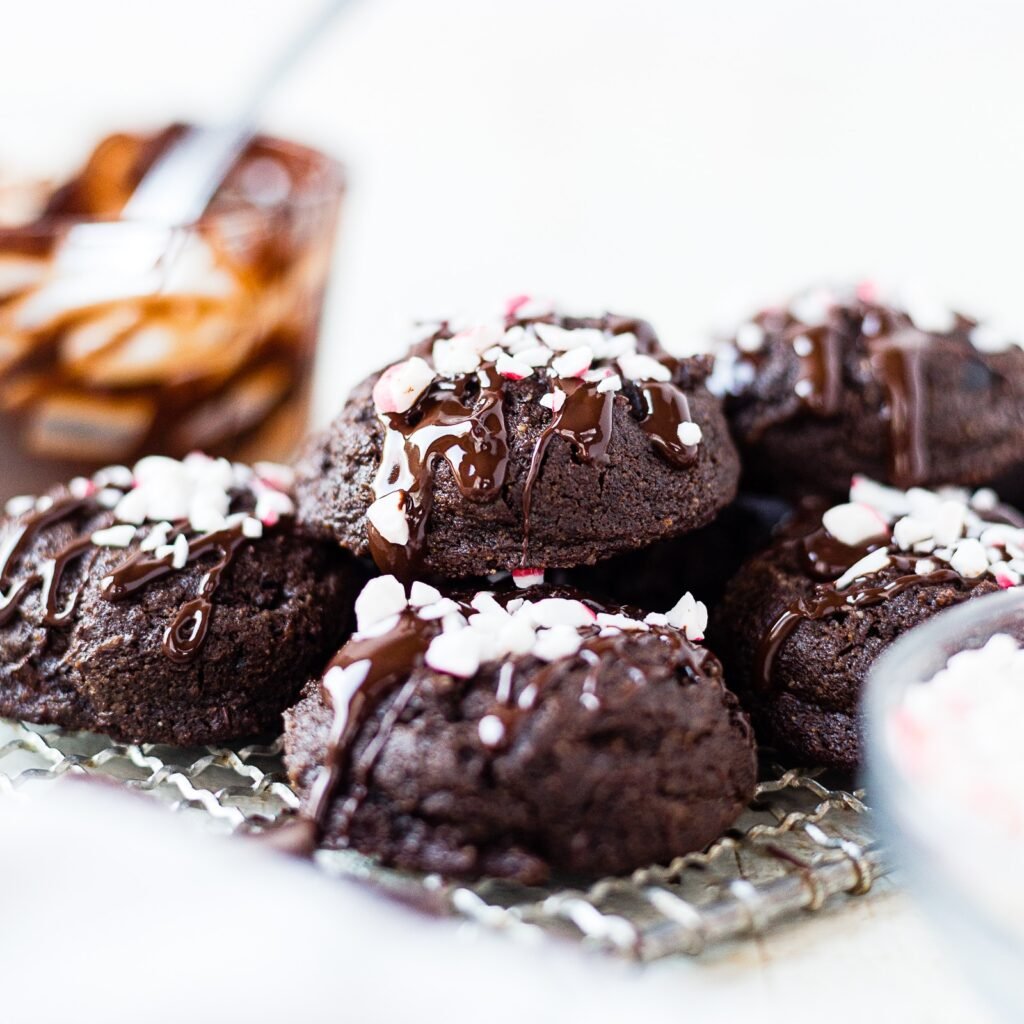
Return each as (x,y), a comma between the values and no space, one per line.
(948,528)
(486,629)
(164,498)
(689,433)
(530,343)
(525,578)
(971,708)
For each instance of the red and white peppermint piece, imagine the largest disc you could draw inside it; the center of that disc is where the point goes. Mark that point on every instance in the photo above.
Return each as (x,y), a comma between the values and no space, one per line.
(889,501)
(535,355)
(454,357)
(526,307)
(20,504)
(422,594)
(114,536)
(910,531)
(637,366)
(612,382)
(81,487)
(491,730)
(524,578)
(969,558)
(611,346)
(854,523)
(573,363)
(512,367)
(556,643)
(948,523)
(270,506)
(554,400)
(561,611)
(689,615)
(399,386)
(277,475)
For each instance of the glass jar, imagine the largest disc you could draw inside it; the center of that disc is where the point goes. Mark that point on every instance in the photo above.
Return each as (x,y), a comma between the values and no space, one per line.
(957,843)
(211,348)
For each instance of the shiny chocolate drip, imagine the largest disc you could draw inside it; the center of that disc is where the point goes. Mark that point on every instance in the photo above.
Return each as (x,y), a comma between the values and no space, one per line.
(463,422)
(897,363)
(22,532)
(585,421)
(664,408)
(824,559)
(183,637)
(186,633)
(390,660)
(820,377)
(389,657)
(895,351)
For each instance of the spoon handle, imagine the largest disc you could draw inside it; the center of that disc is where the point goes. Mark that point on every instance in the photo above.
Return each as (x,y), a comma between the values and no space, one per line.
(179,186)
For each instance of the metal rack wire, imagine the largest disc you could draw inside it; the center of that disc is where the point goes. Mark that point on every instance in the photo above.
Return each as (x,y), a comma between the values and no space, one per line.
(803,842)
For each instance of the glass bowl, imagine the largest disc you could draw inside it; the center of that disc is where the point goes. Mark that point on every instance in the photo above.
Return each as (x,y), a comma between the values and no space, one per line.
(211,348)
(954,844)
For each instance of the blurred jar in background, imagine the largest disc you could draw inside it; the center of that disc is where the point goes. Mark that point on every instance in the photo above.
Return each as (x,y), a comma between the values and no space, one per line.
(99,368)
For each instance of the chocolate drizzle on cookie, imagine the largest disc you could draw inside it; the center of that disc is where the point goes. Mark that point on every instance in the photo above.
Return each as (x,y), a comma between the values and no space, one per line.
(370,667)
(894,352)
(459,417)
(828,563)
(94,513)
(187,631)
(19,537)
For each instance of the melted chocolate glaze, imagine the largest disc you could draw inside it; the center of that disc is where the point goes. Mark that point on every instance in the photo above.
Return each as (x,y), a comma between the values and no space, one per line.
(23,531)
(186,633)
(824,559)
(895,356)
(392,659)
(463,422)
(183,637)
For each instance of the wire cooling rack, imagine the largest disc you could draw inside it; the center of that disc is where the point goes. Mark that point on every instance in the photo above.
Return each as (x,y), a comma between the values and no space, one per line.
(803,843)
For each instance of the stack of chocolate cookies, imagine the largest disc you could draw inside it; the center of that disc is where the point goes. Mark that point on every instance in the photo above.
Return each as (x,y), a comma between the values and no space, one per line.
(474,593)
(487,717)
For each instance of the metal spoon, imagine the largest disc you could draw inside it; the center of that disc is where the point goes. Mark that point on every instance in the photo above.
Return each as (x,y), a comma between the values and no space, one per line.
(135,255)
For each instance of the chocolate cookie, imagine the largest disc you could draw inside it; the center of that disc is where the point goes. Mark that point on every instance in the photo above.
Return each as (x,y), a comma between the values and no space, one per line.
(169,603)
(519,734)
(536,442)
(837,384)
(803,622)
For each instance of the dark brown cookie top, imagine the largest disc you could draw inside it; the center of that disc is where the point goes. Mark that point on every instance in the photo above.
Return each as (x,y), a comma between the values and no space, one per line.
(805,619)
(536,441)
(841,382)
(516,732)
(168,602)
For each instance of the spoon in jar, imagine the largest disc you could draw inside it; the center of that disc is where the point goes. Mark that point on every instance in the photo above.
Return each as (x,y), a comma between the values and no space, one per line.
(135,255)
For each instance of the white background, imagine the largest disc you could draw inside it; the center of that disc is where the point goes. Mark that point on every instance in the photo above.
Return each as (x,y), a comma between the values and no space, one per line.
(671,159)
(675,160)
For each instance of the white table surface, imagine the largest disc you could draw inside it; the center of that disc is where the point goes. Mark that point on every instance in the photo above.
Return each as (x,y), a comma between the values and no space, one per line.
(677,160)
